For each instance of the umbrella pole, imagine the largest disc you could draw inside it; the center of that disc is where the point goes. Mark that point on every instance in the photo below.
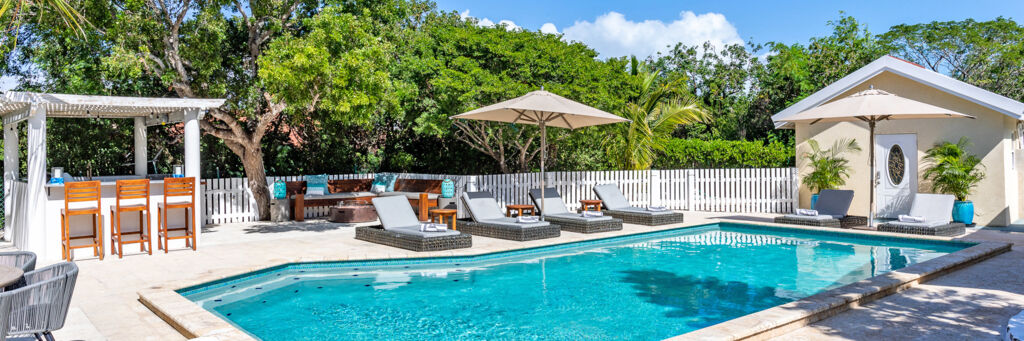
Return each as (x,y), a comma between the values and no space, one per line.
(543,152)
(871,192)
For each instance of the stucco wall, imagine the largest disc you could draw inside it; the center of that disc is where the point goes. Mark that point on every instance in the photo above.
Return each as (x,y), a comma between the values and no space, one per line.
(996,197)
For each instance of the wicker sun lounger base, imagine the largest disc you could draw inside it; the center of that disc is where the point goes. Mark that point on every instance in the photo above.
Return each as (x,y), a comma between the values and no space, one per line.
(376,234)
(641,218)
(509,232)
(847,222)
(580,226)
(947,230)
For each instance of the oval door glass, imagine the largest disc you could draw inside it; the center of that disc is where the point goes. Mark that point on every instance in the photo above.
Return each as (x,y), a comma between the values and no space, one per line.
(896,164)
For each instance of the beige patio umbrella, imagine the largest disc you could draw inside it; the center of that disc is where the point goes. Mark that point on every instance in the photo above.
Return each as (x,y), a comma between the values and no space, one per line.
(543,109)
(872,106)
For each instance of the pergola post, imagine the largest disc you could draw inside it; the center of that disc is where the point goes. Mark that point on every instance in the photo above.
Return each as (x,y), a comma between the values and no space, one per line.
(141,157)
(192,162)
(35,192)
(11,166)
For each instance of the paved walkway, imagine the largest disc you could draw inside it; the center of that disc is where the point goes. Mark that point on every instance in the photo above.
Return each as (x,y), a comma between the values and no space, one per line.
(971,303)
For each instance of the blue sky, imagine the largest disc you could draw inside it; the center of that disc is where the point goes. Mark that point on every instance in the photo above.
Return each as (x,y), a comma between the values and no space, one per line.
(640,26)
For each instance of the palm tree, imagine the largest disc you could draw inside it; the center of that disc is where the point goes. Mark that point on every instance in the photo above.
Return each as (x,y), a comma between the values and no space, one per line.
(654,114)
(15,12)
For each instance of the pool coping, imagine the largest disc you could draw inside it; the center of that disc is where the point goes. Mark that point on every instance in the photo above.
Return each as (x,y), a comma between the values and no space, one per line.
(192,321)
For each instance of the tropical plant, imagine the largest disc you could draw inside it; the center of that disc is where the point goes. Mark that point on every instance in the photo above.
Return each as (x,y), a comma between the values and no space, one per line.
(951,170)
(654,115)
(830,168)
(16,12)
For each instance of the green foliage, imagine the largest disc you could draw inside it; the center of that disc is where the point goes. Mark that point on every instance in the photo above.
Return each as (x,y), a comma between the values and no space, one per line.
(951,170)
(696,153)
(654,114)
(829,168)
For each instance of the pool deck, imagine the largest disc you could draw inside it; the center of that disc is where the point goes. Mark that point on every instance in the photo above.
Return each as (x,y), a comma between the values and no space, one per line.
(970,303)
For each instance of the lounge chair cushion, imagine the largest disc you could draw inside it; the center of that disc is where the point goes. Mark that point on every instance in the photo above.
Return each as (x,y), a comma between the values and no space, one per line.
(810,217)
(410,195)
(415,231)
(482,206)
(611,196)
(552,203)
(642,210)
(342,195)
(935,208)
(395,212)
(511,222)
(576,216)
(834,202)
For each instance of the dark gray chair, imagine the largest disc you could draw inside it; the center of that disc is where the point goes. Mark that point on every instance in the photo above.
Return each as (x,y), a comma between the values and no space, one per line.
(936,211)
(401,228)
(555,211)
(24,260)
(41,305)
(832,206)
(616,205)
(487,220)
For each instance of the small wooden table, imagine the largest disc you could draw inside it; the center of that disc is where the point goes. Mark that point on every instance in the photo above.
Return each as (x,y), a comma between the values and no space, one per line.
(9,275)
(588,204)
(440,213)
(520,208)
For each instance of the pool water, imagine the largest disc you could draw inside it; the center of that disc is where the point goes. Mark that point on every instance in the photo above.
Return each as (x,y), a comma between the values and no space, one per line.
(644,287)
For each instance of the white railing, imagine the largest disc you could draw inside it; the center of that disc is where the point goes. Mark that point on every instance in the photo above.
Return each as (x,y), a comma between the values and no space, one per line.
(739,190)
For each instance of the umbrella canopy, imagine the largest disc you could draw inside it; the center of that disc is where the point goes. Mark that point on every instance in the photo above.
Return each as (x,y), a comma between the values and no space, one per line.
(872,106)
(543,109)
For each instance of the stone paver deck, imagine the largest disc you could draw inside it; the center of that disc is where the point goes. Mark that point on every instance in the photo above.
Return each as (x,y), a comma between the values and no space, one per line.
(968,304)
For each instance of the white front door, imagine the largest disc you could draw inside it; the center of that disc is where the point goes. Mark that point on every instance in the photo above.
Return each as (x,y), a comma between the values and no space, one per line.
(896,170)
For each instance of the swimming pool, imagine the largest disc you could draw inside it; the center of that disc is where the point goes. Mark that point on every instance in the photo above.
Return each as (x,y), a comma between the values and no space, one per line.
(640,287)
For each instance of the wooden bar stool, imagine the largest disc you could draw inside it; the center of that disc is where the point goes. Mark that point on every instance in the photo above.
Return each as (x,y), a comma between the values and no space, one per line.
(130,190)
(87,193)
(180,188)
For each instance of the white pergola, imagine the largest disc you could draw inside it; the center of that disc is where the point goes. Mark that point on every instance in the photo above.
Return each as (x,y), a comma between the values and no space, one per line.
(36,107)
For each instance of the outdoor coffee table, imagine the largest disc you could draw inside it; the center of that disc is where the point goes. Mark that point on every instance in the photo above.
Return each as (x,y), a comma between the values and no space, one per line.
(441,213)
(588,204)
(9,275)
(520,208)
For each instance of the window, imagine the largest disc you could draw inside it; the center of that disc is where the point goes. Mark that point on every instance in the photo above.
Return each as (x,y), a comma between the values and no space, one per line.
(897,165)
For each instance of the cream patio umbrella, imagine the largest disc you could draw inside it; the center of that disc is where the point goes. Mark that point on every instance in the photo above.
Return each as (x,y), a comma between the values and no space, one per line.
(543,109)
(872,106)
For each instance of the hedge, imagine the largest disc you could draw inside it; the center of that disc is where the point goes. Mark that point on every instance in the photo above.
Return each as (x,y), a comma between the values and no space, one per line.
(695,153)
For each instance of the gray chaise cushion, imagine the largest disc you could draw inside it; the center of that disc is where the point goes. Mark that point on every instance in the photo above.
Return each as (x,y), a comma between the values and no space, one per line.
(511,222)
(482,206)
(612,197)
(834,202)
(396,215)
(552,203)
(342,195)
(577,216)
(810,217)
(642,210)
(936,209)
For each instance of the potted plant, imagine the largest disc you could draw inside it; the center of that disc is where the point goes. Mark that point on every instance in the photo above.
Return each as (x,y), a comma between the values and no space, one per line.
(829,168)
(951,170)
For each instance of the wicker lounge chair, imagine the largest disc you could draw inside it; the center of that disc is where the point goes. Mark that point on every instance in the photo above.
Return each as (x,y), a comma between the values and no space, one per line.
(24,260)
(400,228)
(616,205)
(41,305)
(559,214)
(936,209)
(832,207)
(486,220)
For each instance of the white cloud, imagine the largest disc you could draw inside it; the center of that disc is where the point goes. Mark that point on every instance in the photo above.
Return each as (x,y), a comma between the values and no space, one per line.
(464,14)
(549,28)
(509,25)
(485,22)
(612,35)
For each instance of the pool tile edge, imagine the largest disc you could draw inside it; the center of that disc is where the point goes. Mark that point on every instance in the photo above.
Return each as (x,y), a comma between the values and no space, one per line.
(779,320)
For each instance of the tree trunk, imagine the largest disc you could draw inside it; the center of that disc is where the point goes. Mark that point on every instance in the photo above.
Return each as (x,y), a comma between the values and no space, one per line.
(256,175)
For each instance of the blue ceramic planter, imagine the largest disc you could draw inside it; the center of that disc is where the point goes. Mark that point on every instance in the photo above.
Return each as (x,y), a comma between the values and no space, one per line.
(814,200)
(963,212)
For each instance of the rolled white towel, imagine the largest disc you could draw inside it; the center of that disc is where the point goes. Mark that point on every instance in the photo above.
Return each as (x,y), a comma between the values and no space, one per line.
(528,219)
(441,227)
(910,219)
(657,208)
(426,227)
(803,211)
(593,214)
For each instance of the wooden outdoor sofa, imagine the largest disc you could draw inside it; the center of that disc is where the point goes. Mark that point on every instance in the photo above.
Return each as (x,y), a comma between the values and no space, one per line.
(422,194)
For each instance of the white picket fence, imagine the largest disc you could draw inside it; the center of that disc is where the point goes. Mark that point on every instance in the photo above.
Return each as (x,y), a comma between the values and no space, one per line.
(739,190)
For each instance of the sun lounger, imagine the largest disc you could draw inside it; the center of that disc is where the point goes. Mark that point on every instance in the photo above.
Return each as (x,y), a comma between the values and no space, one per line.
(617,206)
(486,220)
(935,212)
(557,213)
(832,207)
(400,228)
